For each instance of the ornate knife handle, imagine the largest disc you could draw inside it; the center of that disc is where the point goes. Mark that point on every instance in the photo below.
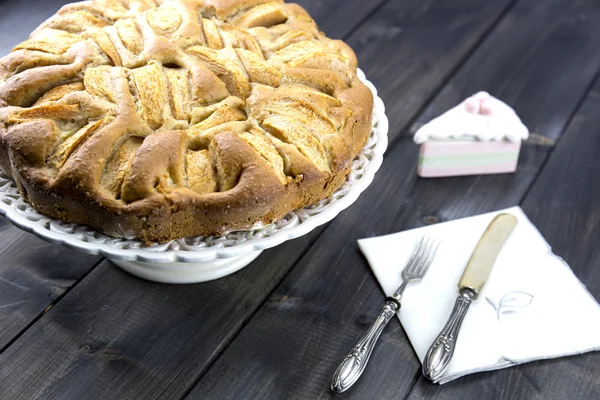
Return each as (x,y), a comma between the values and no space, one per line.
(349,370)
(440,353)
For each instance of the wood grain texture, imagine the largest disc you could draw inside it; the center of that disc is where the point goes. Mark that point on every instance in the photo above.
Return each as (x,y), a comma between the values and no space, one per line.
(546,88)
(322,307)
(33,274)
(116,336)
(409,48)
(328,14)
(564,203)
(522,56)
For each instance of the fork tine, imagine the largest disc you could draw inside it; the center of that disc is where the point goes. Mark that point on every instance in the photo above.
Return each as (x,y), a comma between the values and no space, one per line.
(425,261)
(422,250)
(421,254)
(432,250)
(416,256)
(418,264)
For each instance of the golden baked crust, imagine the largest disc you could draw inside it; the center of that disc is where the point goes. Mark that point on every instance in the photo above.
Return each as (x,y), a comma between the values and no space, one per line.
(164,119)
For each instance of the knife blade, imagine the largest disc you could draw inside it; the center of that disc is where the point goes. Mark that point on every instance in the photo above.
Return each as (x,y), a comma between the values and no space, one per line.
(471,283)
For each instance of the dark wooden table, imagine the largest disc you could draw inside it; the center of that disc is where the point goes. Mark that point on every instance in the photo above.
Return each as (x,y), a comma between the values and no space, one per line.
(76,327)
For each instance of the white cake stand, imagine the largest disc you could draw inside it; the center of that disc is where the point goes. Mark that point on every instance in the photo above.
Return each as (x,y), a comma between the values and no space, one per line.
(200,259)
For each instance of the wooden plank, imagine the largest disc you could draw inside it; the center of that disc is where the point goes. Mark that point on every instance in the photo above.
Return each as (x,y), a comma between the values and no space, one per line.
(410,48)
(564,203)
(520,64)
(116,336)
(328,14)
(119,337)
(515,63)
(33,274)
(312,319)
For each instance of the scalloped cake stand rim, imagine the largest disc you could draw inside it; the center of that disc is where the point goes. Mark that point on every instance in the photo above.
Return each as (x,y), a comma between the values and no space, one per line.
(186,266)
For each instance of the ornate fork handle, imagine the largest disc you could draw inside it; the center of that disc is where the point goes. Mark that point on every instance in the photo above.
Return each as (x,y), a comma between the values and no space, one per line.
(354,364)
(439,354)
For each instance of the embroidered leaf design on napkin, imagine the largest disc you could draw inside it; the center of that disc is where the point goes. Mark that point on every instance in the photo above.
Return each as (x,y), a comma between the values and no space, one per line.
(516,299)
(492,303)
(511,302)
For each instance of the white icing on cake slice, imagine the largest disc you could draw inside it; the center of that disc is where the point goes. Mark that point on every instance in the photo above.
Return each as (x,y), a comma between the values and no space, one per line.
(480,117)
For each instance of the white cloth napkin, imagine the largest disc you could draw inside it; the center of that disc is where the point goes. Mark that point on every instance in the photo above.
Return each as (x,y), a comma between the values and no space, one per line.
(532,306)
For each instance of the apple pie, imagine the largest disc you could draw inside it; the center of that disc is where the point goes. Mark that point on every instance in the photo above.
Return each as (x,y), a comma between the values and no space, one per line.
(164,119)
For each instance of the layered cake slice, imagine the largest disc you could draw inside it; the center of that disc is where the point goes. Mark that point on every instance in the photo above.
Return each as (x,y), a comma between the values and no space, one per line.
(482,135)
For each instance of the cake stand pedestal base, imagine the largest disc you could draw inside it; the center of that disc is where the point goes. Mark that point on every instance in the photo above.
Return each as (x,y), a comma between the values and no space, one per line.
(183,272)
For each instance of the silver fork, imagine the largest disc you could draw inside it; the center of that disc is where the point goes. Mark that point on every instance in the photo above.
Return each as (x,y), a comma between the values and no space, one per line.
(349,370)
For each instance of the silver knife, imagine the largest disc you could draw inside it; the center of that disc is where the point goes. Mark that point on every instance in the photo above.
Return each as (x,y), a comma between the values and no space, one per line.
(476,273)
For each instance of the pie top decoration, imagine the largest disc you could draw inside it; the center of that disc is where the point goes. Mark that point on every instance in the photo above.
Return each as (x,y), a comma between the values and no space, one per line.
(164,119)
